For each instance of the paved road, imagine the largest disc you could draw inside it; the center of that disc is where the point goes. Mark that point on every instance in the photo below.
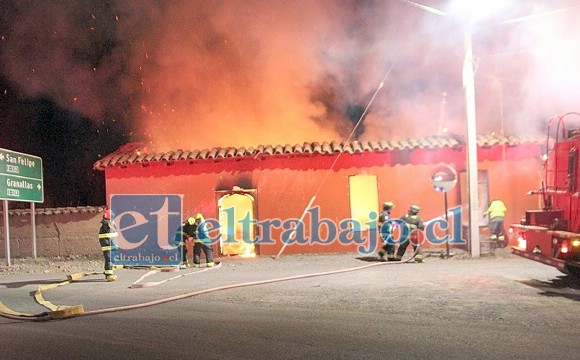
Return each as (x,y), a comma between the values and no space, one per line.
(489,308)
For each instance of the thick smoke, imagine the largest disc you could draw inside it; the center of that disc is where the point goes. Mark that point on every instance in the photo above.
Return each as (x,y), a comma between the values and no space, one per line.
(195,74)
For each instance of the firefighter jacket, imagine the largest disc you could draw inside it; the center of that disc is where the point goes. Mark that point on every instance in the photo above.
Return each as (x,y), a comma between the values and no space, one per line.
(496,209)
(414,222)
(107,235)
(384,217)
(189,231)
(199,231)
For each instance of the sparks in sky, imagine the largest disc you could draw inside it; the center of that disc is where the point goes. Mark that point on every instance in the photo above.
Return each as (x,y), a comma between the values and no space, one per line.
(242,73)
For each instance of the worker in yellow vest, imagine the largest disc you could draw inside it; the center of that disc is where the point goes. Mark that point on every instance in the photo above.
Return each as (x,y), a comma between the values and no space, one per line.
(496,212)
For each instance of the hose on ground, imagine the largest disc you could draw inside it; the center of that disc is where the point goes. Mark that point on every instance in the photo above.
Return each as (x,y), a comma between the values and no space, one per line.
(63,315)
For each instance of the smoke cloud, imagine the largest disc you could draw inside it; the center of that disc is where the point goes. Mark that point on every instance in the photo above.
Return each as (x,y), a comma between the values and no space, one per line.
(195,74)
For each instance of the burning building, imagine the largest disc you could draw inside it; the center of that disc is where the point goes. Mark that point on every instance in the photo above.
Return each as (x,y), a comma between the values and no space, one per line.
(270,188)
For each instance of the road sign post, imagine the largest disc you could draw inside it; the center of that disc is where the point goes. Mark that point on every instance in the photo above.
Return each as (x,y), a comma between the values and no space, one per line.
(6,232)
(20,177)
(20,180)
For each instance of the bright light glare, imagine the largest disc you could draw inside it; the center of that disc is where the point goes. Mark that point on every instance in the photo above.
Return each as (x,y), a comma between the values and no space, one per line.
(557,56)
(474,10)
(250,255)
(522,242)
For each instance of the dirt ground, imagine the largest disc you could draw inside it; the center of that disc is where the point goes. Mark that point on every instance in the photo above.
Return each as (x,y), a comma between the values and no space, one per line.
(74,264)
(70,264)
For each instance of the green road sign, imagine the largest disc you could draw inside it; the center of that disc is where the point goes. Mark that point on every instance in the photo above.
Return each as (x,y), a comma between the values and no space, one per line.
(20,177)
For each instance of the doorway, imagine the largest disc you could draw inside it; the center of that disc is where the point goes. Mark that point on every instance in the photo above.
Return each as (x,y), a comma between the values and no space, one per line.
(237,223)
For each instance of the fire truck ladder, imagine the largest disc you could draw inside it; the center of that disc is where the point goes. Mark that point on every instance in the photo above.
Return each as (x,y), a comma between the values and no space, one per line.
(560,166)
(554,170)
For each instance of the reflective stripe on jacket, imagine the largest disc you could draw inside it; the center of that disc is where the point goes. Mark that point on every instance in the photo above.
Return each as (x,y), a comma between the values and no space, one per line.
(108,235)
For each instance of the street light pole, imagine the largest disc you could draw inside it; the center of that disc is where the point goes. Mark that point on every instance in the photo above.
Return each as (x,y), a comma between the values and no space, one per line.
(501,115)
(472,183)
(471,9)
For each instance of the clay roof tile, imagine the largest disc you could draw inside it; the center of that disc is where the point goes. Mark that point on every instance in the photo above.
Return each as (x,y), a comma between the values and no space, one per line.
(133,153)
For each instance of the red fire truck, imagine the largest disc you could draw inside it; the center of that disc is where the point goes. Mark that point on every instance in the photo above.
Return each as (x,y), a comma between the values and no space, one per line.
(551,235)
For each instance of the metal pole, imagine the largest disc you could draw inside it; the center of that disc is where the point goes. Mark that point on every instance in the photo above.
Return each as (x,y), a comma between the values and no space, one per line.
(33,225)
(501,112)
(447,230)
(442,114)
(468,84)
(6,232)
(501,115)
(292,234)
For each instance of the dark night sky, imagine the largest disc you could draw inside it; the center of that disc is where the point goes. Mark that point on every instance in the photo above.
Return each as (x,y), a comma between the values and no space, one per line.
(78,79)
(68,143)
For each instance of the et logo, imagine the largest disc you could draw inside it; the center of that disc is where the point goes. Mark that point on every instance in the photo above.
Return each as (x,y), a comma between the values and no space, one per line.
(147,228)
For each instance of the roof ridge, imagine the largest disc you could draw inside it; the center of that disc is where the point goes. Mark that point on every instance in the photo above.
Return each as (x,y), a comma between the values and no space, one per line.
(135,152)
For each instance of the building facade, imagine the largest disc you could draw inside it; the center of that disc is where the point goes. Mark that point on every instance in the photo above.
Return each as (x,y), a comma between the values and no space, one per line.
(258,195)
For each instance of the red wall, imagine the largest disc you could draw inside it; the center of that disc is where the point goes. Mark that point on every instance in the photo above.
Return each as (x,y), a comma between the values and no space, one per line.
(286,184)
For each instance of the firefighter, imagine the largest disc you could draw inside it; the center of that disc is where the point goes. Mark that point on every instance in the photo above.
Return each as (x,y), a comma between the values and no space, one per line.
(385,231)
(107,238)
(415,226)
(201,241)
(188,233)
(496,212)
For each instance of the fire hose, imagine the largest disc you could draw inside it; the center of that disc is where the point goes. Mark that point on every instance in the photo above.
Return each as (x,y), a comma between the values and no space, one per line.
(68,312)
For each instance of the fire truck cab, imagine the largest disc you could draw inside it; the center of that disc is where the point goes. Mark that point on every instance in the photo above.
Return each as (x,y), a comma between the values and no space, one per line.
(551,235)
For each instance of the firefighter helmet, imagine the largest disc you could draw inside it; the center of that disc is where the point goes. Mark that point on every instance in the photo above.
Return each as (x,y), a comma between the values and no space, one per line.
(190,221)
(388,205)
(199,216)
(414,209)
(107,214)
